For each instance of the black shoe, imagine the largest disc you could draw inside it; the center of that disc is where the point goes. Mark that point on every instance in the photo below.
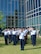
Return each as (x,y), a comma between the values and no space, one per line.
(22,49)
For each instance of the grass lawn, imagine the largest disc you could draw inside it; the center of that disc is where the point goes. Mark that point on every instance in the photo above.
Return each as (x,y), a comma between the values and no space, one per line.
(29,48)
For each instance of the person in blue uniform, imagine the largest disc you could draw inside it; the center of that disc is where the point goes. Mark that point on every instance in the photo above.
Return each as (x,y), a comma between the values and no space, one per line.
(17,35)
(21,37)
(6,36)
(9,35)
(33,34)
(14,32)
(25,34)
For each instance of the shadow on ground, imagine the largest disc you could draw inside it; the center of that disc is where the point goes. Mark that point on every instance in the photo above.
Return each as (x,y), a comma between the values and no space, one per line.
(33,48)
(2,44)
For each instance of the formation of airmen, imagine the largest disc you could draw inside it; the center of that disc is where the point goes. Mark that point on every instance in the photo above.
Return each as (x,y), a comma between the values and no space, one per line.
(19,34)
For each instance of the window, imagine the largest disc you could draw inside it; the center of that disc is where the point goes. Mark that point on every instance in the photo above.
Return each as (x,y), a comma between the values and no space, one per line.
(27,6)
(9,7)
(29,17)
(36,10)
(32,15)
(36,21)
(12,6)
(22,1)
(36,14)
(22,8)
(1,4)
(39,19)
(15,4)
(39,13)
(31,4)
(19,7)
(40,2)
(9,0)
(40,9)
(36,3)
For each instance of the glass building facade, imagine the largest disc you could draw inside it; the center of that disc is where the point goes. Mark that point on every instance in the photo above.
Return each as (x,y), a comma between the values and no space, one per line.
(21,13)
(13,11)
(33,14)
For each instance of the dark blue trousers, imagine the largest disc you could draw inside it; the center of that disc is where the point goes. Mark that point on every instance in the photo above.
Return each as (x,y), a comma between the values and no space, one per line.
(22,44)
(34,40)
(17,38)
(6,39)
(14,39)
(31,38)
(10,38)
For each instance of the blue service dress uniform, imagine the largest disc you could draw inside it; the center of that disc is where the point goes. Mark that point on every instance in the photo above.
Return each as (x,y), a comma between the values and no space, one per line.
(14,37)
(6,37)
(33,37)
(25,35)
(10,36)
(18,33)
(21,37)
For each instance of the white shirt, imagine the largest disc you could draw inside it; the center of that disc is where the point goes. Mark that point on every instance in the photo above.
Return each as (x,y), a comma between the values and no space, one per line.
(9,32)
(33,32)
(25,32)
(5,32)
(21,36)
(18,32)
(14,32)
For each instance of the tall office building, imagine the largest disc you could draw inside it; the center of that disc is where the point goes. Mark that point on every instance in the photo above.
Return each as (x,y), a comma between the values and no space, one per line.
(33,14)
(13,11)
(22,13)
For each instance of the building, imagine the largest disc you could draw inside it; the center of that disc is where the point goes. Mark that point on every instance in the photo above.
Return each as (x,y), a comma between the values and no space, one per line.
(12,21)
(33,14)
(22,13)
(9,7)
